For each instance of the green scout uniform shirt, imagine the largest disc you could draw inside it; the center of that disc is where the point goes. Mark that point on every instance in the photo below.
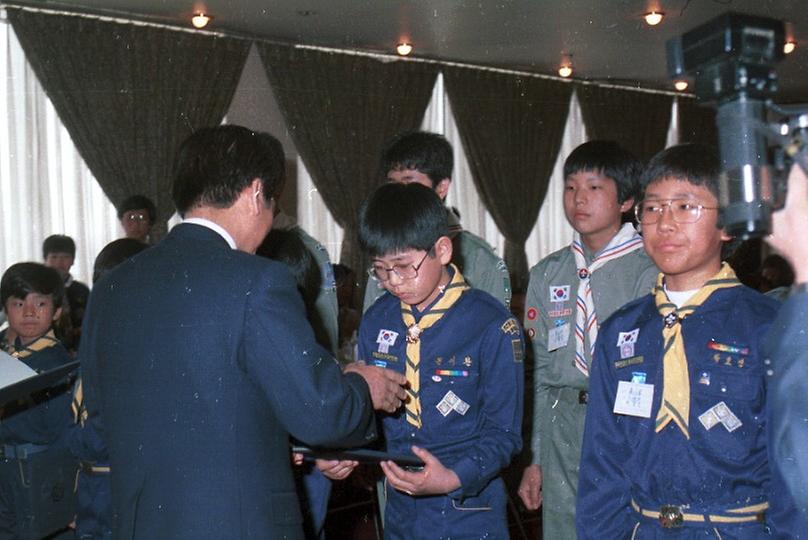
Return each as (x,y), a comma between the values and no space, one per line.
(558,417)
(325,318)
(478,263)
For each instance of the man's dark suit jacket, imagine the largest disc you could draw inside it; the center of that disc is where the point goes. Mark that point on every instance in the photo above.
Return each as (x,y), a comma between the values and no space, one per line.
(787,357)
(201,364)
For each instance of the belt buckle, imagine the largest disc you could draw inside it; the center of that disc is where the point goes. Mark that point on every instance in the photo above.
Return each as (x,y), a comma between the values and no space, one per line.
(670,516)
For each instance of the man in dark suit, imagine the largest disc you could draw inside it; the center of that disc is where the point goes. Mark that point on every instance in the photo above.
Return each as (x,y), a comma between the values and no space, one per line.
(198,358)
(787,361)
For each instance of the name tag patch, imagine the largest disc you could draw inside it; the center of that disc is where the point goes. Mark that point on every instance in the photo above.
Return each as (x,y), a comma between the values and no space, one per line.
(558,337)
(634,399)
(633,361)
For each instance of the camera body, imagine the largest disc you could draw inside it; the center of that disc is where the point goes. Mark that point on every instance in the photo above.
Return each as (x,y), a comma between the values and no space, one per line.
(731,58)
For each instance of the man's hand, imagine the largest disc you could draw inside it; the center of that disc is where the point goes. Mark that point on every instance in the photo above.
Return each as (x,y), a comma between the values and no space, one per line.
(336,470)
(386,386)
(530,487)
(789,225)
(434,479)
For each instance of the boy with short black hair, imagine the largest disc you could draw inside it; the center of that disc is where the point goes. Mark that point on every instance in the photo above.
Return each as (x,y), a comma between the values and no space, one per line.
(137,215)
(59,253)
(31,296)
(426,158)
(461,351)
(570,292)
(675,428)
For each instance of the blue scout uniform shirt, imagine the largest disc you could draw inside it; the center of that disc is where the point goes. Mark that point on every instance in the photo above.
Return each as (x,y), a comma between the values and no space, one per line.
(475,351)
(47,416)
(716,470)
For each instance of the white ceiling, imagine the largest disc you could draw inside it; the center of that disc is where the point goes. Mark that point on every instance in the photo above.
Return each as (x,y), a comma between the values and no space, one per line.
(608,39)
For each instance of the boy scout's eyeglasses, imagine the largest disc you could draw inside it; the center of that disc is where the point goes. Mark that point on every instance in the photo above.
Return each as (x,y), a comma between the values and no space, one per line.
(682,210)
(403,271)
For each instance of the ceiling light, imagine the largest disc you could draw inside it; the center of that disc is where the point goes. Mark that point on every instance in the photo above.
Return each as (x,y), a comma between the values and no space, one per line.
(681,85)
(653,18)
(403,48)
(565,70)
(200,20)
(789,47)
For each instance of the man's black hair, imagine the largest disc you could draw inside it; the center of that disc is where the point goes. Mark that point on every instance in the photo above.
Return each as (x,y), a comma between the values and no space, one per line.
(138,202)
(215,164)
(24,278)
(612,161)
(398,217)
(58,243)
(422,151)
(114,254)
(693,163)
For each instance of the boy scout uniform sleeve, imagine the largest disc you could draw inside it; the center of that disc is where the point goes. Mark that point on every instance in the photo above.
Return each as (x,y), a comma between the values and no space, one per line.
(536,328)
(501,398)
(603,509)
(482,268)
(373,290)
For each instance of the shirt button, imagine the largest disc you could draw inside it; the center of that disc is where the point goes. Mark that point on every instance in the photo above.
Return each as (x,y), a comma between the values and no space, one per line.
(769,372)
(767,361)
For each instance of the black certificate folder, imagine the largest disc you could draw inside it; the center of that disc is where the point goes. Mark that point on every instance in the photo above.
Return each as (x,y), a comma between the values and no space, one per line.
(42,381)
(362,455)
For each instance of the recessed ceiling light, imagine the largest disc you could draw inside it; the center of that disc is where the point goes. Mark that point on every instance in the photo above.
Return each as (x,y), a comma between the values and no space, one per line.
(681,85)
(404,48)
(653,18)
(200,20)
(789,47)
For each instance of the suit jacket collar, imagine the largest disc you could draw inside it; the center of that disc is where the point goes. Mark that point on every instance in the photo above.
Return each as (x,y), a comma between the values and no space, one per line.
(194,231)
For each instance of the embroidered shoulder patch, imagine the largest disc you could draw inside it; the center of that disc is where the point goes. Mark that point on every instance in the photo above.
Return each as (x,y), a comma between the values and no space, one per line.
(511,326)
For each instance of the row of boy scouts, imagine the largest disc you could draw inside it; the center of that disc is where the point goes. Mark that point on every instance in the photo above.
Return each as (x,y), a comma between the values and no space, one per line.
(652,374)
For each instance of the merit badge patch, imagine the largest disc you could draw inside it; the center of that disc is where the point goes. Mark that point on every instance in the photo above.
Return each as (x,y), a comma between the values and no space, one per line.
(704,378)
(626,341)
(386,339)
(451,402)
(559,293)
(518,354)
(720,413)
(510,327)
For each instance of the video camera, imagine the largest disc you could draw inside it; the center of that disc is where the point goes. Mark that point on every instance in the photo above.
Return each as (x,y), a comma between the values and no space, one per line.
(731,58)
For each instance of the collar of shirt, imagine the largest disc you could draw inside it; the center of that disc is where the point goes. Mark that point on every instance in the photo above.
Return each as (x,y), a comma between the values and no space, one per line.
(214,227)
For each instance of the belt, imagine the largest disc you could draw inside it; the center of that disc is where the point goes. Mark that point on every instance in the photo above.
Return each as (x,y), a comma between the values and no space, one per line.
(89,468)
(571,395)
(672,517)
(21,451)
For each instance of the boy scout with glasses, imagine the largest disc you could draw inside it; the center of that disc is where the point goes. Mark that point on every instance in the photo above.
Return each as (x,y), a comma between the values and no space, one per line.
(675,436)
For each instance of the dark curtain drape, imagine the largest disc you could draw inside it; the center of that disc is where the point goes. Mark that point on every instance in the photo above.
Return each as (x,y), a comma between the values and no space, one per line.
(697,123)
(340,110)
(511,128)
(130,94)
(637,120)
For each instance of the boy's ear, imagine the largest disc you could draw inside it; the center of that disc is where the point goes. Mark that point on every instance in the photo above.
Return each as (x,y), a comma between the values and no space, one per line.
(443,250)
(57,314)
(626,205)
(442,188)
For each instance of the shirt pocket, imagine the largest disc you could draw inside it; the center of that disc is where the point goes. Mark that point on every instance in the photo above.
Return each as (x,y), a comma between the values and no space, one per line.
(726,416)
(449,402)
